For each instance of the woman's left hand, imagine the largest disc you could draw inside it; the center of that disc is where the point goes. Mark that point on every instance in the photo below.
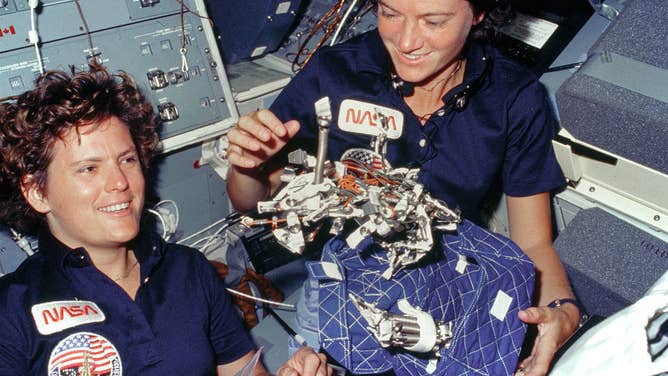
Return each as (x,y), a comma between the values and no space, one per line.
(305,362)
(555,326)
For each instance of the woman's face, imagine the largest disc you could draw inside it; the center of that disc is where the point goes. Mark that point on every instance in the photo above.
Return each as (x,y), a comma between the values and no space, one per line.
(424,36)
(95,188)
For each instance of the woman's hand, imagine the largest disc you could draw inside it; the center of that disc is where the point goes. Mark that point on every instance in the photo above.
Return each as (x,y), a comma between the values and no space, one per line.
(305,362)
(555,326)
(257,137)
(530,223)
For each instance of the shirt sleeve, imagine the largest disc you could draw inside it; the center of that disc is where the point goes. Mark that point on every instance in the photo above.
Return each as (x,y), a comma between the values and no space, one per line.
(229,338)
(296,102)
(12,349)
(530,165)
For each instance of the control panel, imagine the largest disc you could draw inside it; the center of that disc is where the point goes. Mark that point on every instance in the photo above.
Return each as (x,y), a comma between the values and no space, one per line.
(167,46)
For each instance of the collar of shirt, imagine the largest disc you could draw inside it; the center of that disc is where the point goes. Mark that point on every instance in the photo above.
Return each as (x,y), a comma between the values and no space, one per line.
(148,247)
(375,59)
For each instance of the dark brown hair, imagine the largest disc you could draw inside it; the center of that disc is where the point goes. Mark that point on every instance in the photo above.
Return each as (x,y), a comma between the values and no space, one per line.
(61,101)
(497,14)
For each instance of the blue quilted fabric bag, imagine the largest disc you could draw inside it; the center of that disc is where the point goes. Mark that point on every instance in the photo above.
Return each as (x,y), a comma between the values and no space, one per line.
(476,278)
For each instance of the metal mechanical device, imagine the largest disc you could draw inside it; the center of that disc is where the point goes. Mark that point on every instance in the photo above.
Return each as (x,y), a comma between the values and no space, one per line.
(415,330)
(362,187)
(385,202)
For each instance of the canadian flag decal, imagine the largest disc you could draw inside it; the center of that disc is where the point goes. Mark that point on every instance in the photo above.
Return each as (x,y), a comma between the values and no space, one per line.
(7,30)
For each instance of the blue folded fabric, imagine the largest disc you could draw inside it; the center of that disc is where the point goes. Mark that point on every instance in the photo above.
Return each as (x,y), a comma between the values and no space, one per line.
(475,278)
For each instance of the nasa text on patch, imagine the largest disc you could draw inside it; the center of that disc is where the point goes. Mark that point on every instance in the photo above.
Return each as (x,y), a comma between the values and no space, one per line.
(364,118)
(53,317)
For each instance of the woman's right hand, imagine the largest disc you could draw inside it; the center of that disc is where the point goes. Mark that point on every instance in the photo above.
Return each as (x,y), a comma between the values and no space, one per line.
(257,137)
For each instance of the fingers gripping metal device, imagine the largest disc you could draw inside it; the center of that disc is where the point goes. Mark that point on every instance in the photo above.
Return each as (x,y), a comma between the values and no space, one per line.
(414,330)
(385,202)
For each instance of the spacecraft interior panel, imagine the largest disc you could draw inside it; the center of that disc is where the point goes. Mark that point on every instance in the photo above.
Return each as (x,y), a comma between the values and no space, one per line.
(174,59)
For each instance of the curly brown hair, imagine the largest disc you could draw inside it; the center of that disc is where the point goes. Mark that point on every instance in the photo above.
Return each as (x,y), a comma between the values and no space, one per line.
(61,101)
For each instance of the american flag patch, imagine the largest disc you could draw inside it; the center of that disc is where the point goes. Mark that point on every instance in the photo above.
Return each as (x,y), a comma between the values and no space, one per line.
(365,158)
(85,354)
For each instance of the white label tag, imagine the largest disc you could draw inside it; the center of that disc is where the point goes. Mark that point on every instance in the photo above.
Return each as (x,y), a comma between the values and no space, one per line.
(461,264)
(331,270)
(258,51)
(53,317)
(530,30)
(431,365)
(501,305)
(362,118)
(283,7)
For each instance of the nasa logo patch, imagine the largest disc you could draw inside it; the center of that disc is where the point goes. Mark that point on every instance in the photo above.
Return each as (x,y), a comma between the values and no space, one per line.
(53,317)
(363,118)
(85,353)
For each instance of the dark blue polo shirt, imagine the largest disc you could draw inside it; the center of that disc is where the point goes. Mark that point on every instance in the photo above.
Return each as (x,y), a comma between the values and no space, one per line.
(58,310)
(499,141)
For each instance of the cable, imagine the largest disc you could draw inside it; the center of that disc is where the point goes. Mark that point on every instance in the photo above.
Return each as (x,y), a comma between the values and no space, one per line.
(209,239)
(331,23)
(209,242)
(195,13)
(173,221)
(296,336)
(181,241)
(164,235)
(213,236)
(564,67)
(88,36)
(33,36)
(229,218)
(183,50)
(261,300)
(333,12)
(168,221)
(342,22)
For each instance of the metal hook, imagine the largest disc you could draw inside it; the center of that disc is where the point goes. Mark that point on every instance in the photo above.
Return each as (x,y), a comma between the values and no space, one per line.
(184,61)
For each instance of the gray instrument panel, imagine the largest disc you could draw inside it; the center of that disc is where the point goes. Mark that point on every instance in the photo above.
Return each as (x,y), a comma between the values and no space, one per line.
(143,38)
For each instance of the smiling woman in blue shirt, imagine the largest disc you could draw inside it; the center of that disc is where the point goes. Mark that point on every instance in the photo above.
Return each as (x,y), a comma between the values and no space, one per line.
(103,296)
(475,123)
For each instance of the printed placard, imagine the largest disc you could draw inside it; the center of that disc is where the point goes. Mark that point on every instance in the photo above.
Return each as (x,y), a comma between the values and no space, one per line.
(530,30)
